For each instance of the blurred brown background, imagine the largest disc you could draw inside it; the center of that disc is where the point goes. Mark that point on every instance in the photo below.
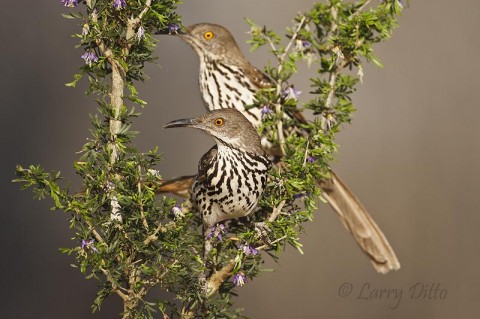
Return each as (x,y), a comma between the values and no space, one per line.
(412,155)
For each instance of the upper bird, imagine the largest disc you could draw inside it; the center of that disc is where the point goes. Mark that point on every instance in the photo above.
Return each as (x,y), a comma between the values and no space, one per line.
(228,80)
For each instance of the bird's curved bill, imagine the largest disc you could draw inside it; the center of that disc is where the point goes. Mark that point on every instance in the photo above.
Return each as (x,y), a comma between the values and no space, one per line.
(182,123)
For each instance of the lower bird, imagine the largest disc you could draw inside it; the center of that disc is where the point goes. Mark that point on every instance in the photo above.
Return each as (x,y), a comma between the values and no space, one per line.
(232,175)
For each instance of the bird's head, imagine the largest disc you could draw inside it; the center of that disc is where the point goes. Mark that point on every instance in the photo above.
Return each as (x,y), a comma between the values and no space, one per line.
(212,40)
(226,126)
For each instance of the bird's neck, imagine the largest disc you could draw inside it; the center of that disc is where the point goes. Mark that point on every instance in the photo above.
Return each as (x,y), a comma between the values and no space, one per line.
(233,153)
(237,147)
(226,86)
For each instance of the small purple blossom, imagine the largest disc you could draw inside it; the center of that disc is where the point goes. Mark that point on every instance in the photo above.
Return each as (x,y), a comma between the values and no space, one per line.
(109,186)
(311,159)
(176,210)
(89,244)
(89,57)
(239,279)
(303,46)
(217,232)
(265,110)
(249,250)
(119,4)
(300,195)
(85,243)
(291,93)
(85,29)
(69,3)
(173,28)
(306,44)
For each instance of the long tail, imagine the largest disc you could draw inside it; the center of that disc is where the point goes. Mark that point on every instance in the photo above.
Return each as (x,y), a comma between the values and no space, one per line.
(360,224)
(180,186)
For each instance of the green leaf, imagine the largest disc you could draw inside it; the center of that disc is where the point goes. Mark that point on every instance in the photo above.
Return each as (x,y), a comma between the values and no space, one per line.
(76,78)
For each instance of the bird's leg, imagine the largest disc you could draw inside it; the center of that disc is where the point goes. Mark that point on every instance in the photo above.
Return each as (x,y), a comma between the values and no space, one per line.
(208,248)
(210,234)
(207,245)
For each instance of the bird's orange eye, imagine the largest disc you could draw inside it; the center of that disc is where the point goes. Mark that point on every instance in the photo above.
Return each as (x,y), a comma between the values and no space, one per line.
(218,121)
(208,35)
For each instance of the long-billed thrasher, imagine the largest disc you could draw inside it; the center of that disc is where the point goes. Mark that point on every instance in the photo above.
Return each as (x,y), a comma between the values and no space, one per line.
(228,80)
(232,175)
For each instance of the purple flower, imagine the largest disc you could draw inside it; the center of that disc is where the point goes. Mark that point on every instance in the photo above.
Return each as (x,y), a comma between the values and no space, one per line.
(88,244)
(119,4)
(297,196)
(173,28)
(109,186)
(265,110)
(300,195)
(85,29)
(217,231)
(291,93)
(210,234)
(249,250)
(69,3)
(306,44)
(311,159)
(239,279)
(176,210)
(89,57)
(85,243)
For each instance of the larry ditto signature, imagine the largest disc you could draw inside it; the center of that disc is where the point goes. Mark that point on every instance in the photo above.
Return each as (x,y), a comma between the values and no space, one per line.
(416,291)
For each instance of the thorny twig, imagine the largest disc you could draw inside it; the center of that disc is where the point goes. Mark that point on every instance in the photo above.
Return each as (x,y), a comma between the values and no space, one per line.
(281,60)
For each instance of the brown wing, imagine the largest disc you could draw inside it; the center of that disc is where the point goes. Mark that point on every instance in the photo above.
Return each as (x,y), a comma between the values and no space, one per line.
(205,163)
(262,81)
(180,186)
(360,224)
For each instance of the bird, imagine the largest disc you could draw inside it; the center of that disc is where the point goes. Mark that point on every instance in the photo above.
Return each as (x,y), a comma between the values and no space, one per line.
(228,80)
(232,175)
